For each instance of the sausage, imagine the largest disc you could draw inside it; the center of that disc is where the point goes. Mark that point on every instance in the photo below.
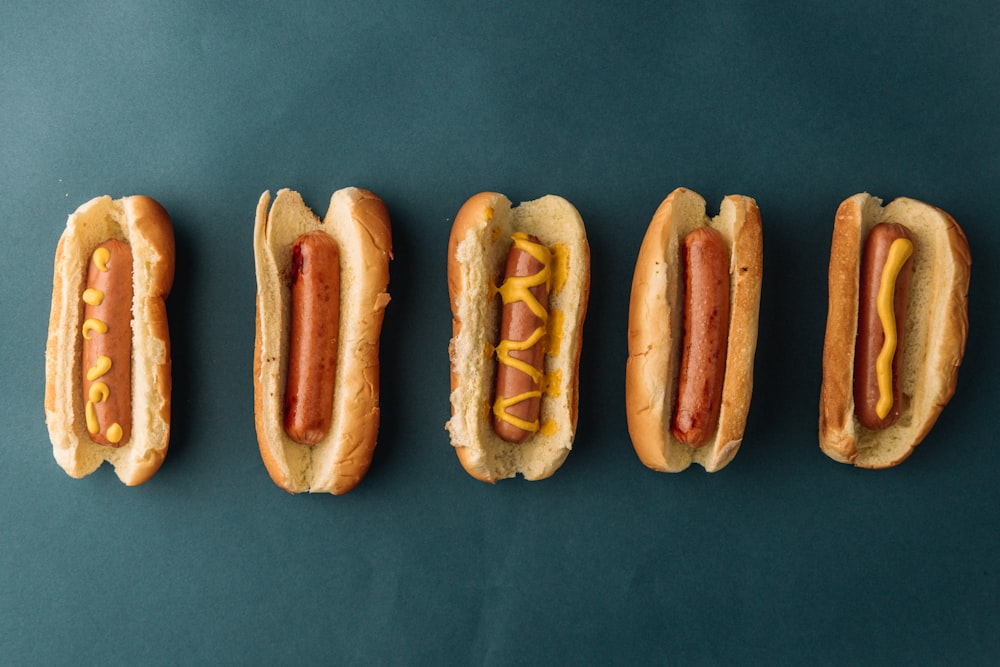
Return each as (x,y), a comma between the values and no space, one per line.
(706,331)
(521,348)
(312,348)
(885,278)
(107,344)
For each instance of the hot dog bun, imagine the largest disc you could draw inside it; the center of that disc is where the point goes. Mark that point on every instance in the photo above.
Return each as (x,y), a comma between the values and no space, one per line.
(936,328)
(143,224)
(359,222)
(477,250)
(655,330)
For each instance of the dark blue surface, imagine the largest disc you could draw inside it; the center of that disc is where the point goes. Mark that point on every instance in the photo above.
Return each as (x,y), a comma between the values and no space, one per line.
(783,557)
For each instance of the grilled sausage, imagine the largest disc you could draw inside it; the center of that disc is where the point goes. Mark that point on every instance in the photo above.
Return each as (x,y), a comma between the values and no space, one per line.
(312,349)
(521,348)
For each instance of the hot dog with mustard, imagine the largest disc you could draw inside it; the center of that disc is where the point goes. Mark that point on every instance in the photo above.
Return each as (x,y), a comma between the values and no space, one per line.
(107,363)
(897,324)
(518,280)
(521,342)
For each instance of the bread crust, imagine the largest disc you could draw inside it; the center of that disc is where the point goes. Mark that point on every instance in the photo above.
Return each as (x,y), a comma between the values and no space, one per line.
(936,329)
(142,223)
(655,330)
(359,222)
(477,249)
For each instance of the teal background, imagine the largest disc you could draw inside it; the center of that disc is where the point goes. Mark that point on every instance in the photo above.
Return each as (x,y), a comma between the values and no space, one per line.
(784,557)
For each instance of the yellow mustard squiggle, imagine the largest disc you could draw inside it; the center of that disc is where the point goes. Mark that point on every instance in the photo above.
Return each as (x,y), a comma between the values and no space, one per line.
(506,346)
(101,258)
(93,297)
(98,394)
(100,368)
(501,405)
(92,325)
(92,426)
(899,252)
(518,288)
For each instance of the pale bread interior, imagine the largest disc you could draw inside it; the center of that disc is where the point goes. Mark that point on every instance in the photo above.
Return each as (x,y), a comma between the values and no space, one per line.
(480,255)
(98,220)
(339,461)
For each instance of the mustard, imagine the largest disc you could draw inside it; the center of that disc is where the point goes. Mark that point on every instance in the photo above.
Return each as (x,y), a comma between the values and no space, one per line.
(518,288)
(560,267)
(92,426)
(98,393)
(100,368)
(553,383)
(93,297)
(506,346)
(501,405)
(101,258)
(115,433)
(899,252)
(556,320)
(93,324)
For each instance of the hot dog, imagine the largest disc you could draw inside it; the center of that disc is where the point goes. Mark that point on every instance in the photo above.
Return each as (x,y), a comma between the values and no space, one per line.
(706,328)
(692,332)
(107,344)
(516,333)
(108,348)
(885,284)
(896,328)
(521,347)
(321,298)
(312,344)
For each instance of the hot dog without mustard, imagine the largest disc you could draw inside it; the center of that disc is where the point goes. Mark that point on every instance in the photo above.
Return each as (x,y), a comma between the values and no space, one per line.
(518,280)
(108,348)
(321,298)
(896,328)
(692,332)
(312,343)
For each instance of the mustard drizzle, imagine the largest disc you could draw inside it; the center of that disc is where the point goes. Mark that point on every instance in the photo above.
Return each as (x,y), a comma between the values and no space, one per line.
(100,368)
(899,252)
(518,288)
